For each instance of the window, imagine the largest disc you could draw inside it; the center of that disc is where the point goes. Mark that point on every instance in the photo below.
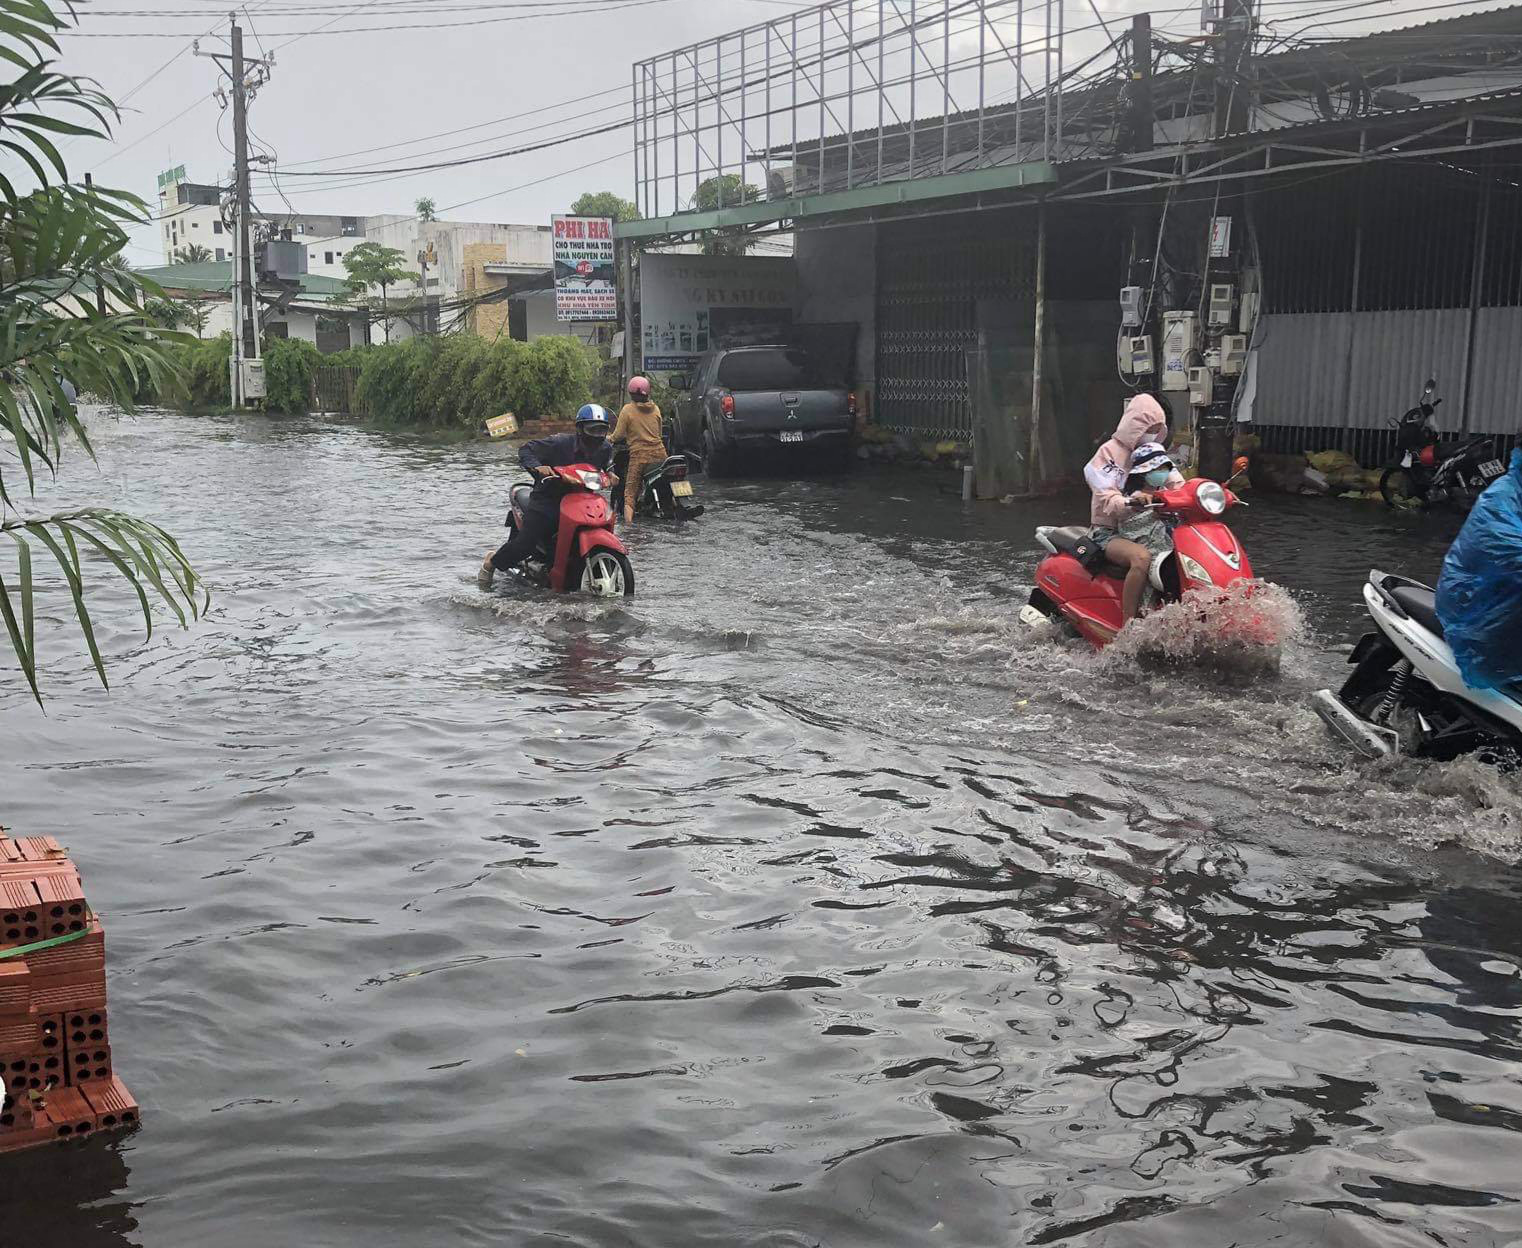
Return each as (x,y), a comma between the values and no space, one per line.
(221,255)
(311,255)
(216,227)
(769,368)
(300,228)
(278,329)
(327,257)
(195,225)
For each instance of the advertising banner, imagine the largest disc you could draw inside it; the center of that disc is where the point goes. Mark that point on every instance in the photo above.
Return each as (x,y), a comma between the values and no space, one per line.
(690,303)
(586,272)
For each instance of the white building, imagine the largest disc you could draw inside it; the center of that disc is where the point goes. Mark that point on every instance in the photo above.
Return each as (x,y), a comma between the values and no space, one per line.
(191,215)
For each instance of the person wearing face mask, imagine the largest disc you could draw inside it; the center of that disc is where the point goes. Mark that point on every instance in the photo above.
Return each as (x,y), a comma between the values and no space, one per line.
(588,444)
(1109,474)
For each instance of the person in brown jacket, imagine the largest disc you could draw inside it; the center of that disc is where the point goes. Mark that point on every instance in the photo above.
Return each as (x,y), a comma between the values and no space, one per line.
(639,428)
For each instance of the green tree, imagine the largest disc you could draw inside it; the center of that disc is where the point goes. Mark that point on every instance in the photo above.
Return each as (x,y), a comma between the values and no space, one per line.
(605,204)
(59,243)
(425,209)
(191,253)
(726,191)
(195,313)
(370,264)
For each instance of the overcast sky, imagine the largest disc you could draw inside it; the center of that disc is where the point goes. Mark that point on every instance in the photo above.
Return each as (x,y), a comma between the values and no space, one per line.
(335,94)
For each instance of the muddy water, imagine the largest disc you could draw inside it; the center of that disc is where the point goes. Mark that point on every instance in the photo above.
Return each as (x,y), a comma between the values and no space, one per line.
(800,900)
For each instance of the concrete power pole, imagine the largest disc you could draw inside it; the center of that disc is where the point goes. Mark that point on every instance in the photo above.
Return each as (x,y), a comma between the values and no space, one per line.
(248,328)
(1214,433)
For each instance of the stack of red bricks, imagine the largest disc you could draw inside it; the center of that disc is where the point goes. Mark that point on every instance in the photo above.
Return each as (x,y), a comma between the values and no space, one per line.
(55,1048)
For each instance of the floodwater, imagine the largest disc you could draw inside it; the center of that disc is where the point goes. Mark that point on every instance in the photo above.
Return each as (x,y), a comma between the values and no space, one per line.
(798,901)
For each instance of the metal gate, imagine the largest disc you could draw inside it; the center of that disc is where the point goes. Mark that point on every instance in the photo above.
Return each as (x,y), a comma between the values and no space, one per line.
(929,281)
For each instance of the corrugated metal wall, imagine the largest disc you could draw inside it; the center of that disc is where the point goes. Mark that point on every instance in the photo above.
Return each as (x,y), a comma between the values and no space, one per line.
(1359,370)
(1400,246)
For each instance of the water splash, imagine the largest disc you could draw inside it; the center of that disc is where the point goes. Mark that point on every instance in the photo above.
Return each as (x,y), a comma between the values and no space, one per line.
(1243,630)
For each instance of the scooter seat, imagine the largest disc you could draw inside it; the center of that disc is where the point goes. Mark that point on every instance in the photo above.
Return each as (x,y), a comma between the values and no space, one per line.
(1420,604)
(520,495)
(1075,540)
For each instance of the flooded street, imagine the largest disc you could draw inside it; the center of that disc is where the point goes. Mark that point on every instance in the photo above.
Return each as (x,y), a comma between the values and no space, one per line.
(799,900)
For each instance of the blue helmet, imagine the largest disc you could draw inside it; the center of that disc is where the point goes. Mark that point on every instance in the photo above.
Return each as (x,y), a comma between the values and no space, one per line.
(592,414)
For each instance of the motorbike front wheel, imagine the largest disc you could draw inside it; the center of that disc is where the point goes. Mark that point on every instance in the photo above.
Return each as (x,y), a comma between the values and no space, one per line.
(607,574)
(1400,488)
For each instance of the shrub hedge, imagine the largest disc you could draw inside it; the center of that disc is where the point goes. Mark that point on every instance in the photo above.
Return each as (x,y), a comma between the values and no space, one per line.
(460,381)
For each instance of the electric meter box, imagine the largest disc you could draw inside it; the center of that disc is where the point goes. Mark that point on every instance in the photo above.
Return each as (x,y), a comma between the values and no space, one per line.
(1180,341)
(1221,298)
(1136,355)
(1131,307)
(1248,316)
(1201,387)
(253,379)
(1233,354)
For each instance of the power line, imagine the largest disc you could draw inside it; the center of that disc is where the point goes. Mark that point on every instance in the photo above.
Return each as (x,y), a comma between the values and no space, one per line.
(297,35)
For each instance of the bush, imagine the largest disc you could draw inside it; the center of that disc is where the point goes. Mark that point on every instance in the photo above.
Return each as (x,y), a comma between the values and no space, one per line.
(460,381)
(288,367)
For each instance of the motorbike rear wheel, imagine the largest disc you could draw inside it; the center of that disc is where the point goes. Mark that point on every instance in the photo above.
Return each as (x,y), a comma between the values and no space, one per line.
(607,574)
(1399,487)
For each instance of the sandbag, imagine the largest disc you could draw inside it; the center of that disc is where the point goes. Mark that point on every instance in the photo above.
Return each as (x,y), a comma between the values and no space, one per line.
(1479,594)
(1331,462)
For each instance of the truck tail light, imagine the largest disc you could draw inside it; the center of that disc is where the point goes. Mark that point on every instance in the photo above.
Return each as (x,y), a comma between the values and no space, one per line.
(851,403)
(727,403)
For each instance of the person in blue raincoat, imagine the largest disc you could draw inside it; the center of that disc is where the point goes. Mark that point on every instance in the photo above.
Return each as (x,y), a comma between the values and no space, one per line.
(1479,594)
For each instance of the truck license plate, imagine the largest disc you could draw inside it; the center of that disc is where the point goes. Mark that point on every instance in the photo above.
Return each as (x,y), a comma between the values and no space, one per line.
(1491,469)
(795,435)
(682,489)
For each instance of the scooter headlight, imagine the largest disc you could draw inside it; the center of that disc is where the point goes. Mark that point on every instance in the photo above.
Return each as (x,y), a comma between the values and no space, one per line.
(591,479)
(1194,570)
(1211,498)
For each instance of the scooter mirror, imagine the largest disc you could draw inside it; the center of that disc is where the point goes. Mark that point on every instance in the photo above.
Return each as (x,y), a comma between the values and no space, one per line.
(1431,388)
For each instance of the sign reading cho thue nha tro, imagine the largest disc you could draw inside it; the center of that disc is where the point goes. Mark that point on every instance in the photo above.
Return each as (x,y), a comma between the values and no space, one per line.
(585,270)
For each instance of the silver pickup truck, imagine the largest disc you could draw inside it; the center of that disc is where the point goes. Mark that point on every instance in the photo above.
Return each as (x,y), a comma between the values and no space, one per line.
(743,399)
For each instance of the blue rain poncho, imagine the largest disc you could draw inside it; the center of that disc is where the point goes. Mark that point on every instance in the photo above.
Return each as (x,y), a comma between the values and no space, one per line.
(1479,594)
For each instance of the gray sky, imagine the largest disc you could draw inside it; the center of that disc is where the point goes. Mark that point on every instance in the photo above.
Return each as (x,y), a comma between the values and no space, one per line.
(335,94)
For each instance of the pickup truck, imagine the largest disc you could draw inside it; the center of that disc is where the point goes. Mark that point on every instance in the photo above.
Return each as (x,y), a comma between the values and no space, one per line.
(743,399)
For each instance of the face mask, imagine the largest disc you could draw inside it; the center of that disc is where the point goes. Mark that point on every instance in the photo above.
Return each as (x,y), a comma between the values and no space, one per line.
(594,439)
(1159,477)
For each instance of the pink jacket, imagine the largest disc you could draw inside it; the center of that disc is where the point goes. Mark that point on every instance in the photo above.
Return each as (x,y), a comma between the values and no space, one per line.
(1144,421)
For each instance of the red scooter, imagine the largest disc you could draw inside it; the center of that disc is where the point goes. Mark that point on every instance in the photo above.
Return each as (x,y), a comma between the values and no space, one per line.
(587,555)
(1077,584)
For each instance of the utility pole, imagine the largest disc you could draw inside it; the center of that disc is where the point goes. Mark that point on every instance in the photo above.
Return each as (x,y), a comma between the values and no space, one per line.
(245,290)
(248,327)
(1214,434)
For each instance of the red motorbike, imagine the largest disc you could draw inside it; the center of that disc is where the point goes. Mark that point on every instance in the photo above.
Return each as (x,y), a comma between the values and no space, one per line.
(586,555)
(1075,582)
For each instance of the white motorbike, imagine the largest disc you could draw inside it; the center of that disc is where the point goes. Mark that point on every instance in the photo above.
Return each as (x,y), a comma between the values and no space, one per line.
(1406,695)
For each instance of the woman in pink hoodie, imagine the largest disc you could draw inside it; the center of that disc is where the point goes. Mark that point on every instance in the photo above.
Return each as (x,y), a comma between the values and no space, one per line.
(1107,474)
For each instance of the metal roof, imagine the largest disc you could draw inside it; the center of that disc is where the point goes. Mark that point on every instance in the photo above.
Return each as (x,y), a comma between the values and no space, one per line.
(217,275)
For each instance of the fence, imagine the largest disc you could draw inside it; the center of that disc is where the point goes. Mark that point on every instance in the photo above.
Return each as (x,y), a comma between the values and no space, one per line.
(333,390)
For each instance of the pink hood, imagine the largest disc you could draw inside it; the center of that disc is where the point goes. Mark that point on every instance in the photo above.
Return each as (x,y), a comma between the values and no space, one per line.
(1144,421)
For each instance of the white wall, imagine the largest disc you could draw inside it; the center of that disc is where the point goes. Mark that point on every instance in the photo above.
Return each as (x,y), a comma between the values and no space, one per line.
(541,321)
(198,224)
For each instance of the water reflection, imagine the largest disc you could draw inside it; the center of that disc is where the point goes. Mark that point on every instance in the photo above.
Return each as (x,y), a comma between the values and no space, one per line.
(800,900)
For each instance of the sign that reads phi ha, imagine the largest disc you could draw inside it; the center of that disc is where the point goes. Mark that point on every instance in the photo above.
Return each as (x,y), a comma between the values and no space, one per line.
(586,287)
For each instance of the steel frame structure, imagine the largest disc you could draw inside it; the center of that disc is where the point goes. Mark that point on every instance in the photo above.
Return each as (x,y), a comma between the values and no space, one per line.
(774,110)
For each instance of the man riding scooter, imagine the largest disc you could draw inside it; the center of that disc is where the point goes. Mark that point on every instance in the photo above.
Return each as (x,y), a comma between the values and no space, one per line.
(541,516)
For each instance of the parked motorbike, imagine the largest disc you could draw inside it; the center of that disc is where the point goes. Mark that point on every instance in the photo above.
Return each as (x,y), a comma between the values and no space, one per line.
(1076,584)
(661,489)
(1426,471)
(586,554)
(1405,695)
